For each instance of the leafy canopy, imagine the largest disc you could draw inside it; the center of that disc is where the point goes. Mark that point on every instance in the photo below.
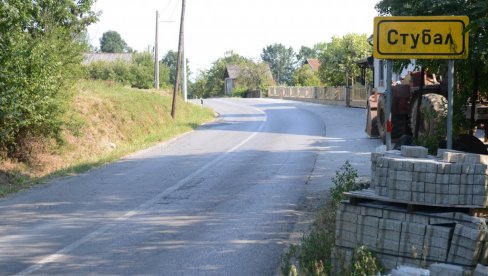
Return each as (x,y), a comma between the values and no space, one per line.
(112,42)
(281,60)
(40,55)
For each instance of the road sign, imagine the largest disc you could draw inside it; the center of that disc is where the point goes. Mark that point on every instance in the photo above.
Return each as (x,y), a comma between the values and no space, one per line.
(420,37)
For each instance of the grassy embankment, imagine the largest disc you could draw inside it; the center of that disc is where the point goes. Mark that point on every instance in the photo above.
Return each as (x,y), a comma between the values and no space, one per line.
(105,122)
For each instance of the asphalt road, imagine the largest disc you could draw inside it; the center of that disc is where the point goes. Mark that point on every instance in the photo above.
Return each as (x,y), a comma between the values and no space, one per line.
(219,200)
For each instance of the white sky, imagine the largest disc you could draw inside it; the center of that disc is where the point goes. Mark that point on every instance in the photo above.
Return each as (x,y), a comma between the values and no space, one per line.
(213,27)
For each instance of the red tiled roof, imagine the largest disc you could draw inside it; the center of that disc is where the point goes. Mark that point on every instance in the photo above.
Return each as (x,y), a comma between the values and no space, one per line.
(314,63)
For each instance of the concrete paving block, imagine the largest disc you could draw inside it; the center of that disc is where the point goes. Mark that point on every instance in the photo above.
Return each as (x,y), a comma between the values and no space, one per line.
(387,262)
(389,236)
(417,219)
(455,168)
(470,233)
(404,185)
(430,177)
(479,179)
(430,188)
(453,157)
(370,211)
(454,189)
(414,151)
(420,167)
(481,169)
(442,199)
(478,189)
(369,221)
(418,186)
(455,179)
(454,200)
(429,198)
(468,168)
(376,155)
(404,176)
(418,197)
(389,215)
(442,188)
(475,221)
(433,220)
(349,226)
(431,167)
(445,270)
(479,200)
(347,216)
(442,178)
(435,254)
(367,231)
(480,270)
(391,224)
(404,195)
(443,168)
(468,189)
(472,158)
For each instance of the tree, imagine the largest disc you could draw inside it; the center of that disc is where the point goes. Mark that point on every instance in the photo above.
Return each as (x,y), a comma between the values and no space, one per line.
(40,55)
(304,76)
(112,42)
(338,61)
(169,60)
(306,52)
(281,61)
(254,76)
(469,72)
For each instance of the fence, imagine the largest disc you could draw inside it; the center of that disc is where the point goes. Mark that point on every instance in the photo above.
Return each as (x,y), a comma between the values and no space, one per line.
(354,96)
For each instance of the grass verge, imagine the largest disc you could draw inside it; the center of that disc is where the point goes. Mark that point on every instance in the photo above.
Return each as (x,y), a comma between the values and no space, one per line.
(106,121)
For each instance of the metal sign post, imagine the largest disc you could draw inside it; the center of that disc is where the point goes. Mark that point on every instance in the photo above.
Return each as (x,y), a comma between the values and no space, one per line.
(450,100)
(389,98)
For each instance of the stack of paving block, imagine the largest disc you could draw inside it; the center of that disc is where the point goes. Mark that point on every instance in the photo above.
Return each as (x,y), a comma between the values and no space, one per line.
(399,237)
(457,179)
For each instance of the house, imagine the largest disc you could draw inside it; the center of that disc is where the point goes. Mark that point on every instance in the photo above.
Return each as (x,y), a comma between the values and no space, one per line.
(314,64)
(231,74)
(89,58)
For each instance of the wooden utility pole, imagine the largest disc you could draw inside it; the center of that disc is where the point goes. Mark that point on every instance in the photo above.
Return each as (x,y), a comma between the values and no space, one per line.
(178,60)
(156,54)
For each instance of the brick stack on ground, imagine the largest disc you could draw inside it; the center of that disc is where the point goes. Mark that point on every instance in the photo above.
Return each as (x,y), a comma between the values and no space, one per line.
(440,231)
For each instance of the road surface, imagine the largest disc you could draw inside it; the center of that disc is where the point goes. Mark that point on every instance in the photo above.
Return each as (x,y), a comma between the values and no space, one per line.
(221,200)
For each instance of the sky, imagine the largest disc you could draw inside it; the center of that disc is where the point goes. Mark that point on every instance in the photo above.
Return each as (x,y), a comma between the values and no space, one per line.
(213,27)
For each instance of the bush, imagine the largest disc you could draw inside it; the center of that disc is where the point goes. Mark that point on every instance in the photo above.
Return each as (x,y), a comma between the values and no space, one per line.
(139,73)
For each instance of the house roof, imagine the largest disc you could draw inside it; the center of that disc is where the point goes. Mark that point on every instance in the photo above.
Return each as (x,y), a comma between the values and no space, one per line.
(314,63)
(232,71)
(108,57)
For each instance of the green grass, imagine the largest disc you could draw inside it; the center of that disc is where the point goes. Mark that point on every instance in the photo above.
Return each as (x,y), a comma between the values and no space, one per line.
(104,115)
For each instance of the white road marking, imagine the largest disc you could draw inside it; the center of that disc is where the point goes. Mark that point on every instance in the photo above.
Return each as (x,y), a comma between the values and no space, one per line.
(144,206)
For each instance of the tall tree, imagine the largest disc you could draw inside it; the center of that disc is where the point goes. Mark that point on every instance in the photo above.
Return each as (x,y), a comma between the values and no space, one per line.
(41,50)
(338,61)
(281,61)
(169,59)
(112,42)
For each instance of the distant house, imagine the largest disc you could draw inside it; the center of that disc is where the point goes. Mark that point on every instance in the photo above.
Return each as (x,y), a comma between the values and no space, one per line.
(89,58)
(231,74)
(313,63)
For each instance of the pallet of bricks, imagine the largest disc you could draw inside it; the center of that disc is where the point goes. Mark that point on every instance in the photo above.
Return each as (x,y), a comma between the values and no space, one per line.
(420,210)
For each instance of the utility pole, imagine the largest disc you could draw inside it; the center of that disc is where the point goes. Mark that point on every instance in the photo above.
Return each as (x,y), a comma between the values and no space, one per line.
(184,84)
(156,55)
(178,60)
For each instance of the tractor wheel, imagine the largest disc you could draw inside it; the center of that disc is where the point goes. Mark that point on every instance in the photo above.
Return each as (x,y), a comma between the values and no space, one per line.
(432,109)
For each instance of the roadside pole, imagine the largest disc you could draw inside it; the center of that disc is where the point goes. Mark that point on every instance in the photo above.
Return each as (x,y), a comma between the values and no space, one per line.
(156,54)
(389,97)
(450,101)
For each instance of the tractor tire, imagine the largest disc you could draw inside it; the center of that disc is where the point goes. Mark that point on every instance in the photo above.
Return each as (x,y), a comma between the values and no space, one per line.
(432,109)
(398,122)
